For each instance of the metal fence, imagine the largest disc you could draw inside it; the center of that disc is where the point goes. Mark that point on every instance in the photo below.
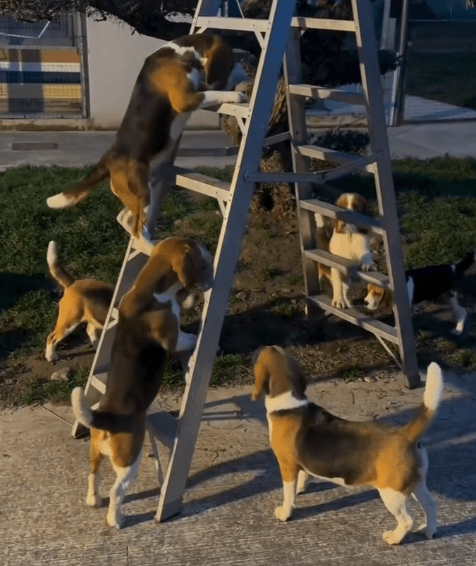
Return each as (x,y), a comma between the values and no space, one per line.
(41,68)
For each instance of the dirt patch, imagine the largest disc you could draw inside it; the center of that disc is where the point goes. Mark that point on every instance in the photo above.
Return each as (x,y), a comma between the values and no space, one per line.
(267,306)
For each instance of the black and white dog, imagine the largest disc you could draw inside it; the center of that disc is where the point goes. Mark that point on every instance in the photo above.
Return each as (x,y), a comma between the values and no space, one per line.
(426,284)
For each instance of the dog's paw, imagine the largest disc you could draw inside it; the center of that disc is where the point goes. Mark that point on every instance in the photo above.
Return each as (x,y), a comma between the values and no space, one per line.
(426,531)
(94,500)
(457,331)
(51,356)
(115,519)
(338,303)
(281,513)
(237,97)
(391,538)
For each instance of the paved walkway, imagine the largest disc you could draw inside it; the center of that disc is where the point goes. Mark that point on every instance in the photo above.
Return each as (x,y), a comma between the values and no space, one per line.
(234,486)
(77,149)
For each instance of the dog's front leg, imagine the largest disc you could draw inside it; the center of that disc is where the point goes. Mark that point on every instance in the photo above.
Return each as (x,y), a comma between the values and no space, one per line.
(289,475)
(460,314)
(336,280)
(302,481)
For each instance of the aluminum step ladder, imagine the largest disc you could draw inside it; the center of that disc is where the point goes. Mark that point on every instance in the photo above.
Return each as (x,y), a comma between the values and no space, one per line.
(179,434)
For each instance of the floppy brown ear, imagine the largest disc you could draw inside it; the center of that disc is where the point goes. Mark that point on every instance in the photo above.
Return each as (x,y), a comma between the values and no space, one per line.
(261,380)
(185,268)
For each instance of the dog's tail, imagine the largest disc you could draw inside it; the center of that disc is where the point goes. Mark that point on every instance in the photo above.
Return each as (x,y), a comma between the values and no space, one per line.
(56,268)
(431,400)
(465,264)
(96,419)
(80,191)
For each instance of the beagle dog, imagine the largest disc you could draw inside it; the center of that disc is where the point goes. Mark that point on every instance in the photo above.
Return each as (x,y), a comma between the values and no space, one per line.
(347,241)
(309,441)
(186,74)
(148,327)
(84,300)
(426,284)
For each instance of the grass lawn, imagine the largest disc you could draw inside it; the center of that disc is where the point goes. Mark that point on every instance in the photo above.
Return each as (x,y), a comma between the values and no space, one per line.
(448,77)
(436,200)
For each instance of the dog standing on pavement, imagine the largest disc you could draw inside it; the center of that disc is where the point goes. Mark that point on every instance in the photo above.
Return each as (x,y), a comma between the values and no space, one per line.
(180,77)
(148,327)
(309,441)
(84,300)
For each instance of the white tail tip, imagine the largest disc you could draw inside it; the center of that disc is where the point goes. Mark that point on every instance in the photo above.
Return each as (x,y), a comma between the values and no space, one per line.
(51,256)
(59,201)
(434,387)
(81,411)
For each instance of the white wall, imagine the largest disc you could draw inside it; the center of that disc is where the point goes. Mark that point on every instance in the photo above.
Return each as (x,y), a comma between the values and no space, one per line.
(115,57)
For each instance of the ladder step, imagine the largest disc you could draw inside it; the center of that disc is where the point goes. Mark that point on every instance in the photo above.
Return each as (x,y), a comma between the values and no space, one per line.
(359,319)
(319,177)
(98,381)
(325,154)
(320,23)
(239,110)
(322,93)
(201,183)
(347,216)
(348,267)
(161,424)
(255,25)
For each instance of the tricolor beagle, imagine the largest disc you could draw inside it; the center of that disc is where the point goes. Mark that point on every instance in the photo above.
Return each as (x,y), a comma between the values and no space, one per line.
(347,241)
(84,300)
(309,441)
(148,328)
(169,87)
(427,284)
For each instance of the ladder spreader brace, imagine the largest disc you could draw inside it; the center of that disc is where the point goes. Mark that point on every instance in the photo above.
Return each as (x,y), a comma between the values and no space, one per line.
(179,434)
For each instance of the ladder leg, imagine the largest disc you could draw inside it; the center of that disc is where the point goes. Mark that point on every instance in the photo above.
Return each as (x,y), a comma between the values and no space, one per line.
(372,85)
(229,244)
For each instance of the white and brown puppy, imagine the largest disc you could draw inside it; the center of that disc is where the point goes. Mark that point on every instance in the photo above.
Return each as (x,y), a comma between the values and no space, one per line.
(427,284)
(309,441)
(84,300)
(148,327)
(180,77)
(349,242)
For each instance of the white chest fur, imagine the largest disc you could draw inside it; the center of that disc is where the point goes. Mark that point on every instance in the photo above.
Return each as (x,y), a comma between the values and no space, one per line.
(170,295)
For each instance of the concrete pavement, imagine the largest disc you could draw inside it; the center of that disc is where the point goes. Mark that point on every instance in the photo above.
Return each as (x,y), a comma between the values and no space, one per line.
(233,488)
(77,149)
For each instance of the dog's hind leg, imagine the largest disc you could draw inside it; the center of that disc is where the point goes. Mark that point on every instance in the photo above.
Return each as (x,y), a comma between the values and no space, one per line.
(424,497)
(93,499)
(69,319)
(396,503)
(459,312)
(124,478)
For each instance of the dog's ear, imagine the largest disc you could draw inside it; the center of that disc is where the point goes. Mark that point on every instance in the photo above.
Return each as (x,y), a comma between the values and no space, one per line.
(299,377)
(186,268)
(261,376)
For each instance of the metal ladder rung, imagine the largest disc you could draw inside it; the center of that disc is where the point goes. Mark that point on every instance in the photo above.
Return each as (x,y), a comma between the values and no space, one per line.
(239,24)
(161,424)
(348,267)
(201,184)
(347,216)
(320,23)
(319,177)
(98,381)
(326,154)
(239,110)
(351,315)
(322,93)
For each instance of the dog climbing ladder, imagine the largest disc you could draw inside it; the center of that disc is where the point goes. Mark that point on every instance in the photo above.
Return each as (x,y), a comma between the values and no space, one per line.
(180,434)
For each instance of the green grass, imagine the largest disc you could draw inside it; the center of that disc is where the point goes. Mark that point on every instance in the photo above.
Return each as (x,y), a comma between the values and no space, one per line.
(39,390)
(449,77)
(437,207)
